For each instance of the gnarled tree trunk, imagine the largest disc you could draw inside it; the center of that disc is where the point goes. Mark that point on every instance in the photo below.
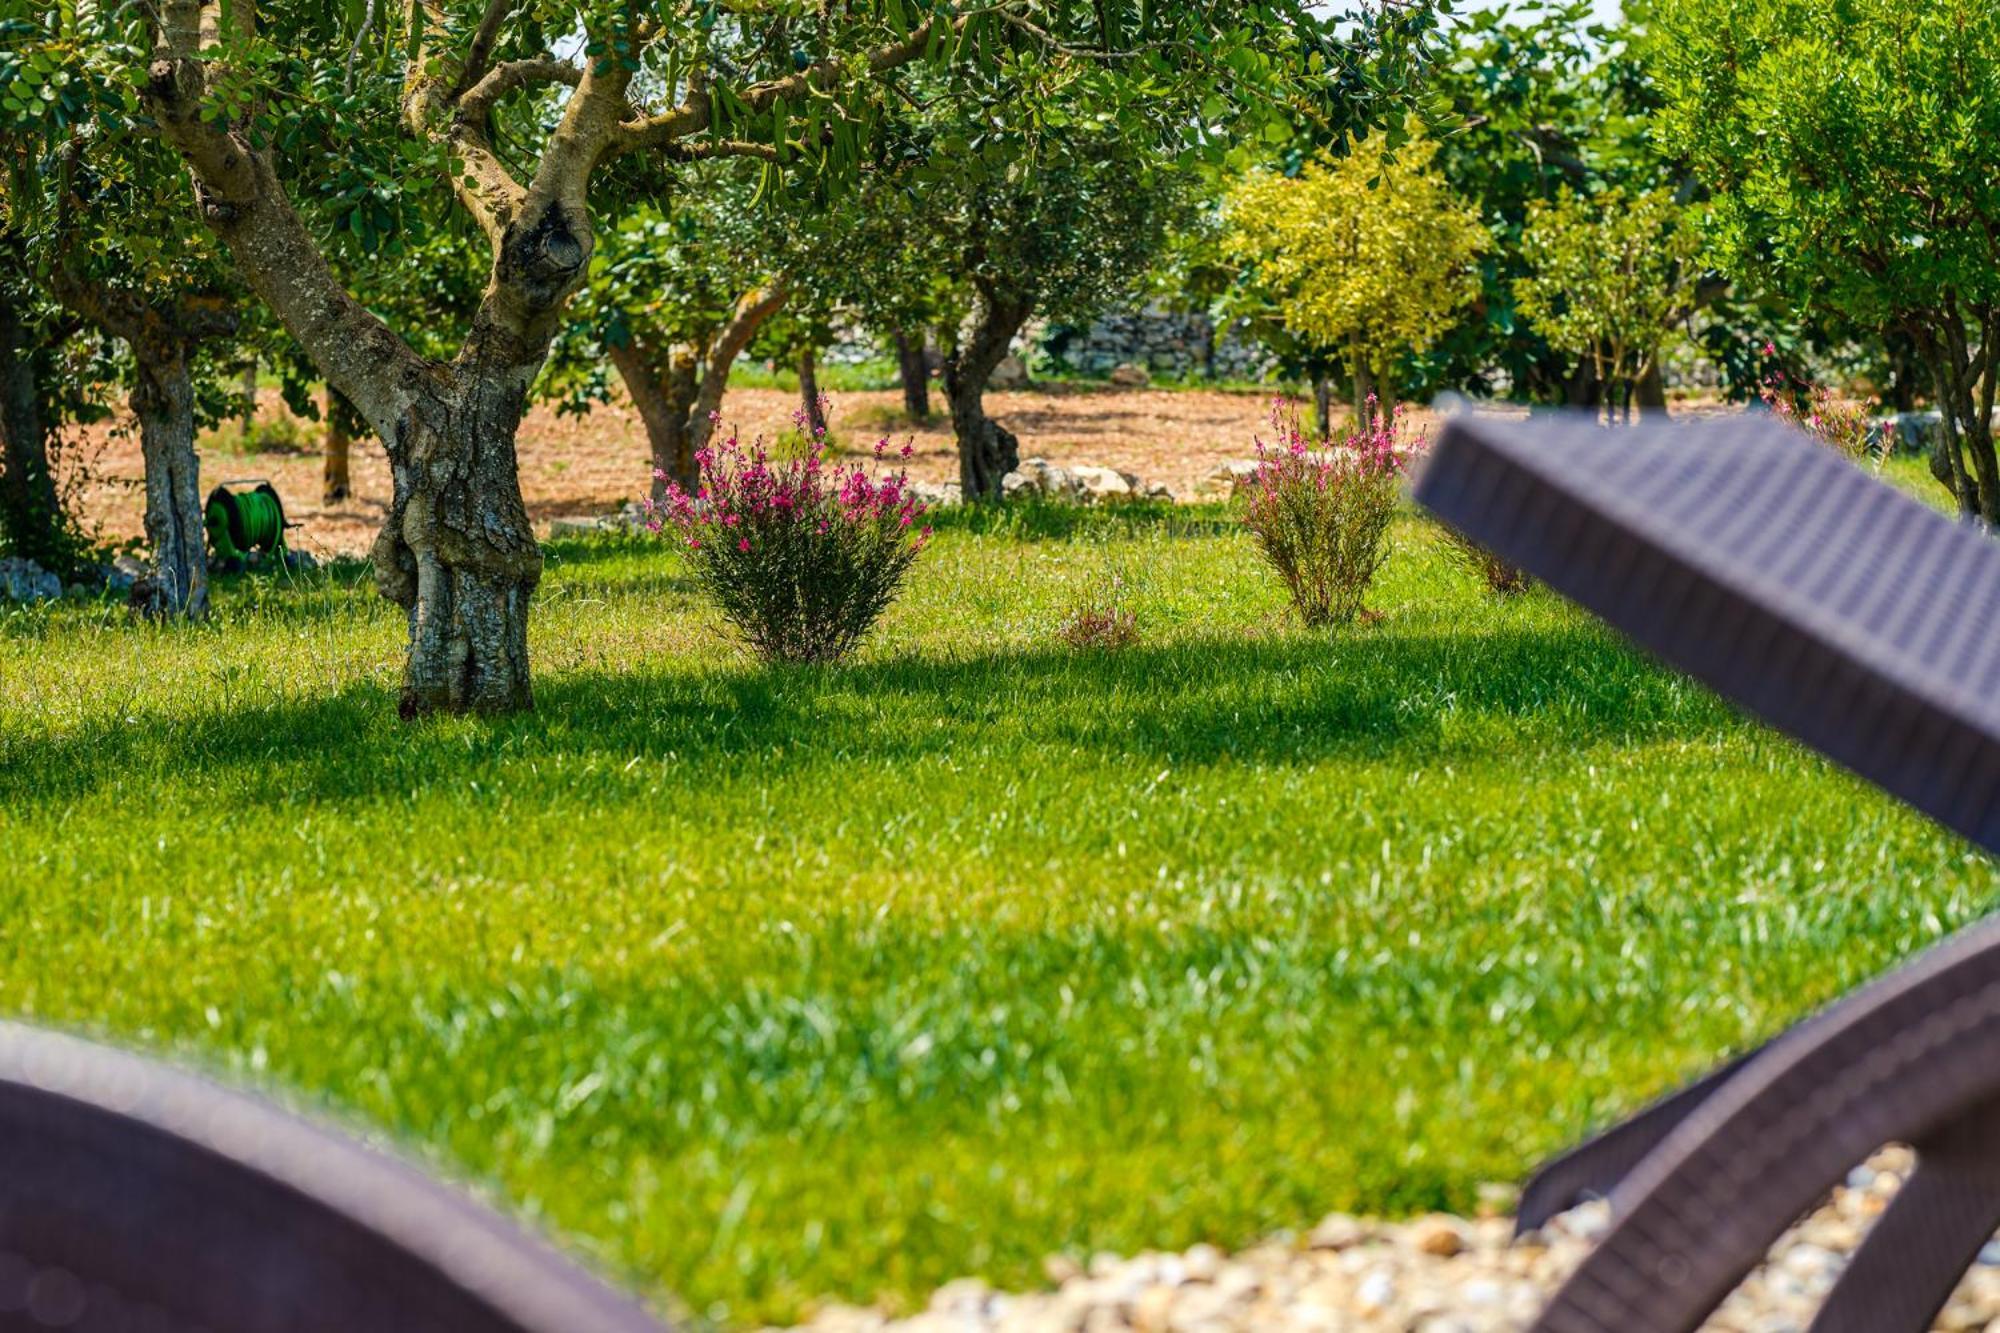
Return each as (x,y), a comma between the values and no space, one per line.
(162,399)
(457,551)
(1967,375)
(342,425)
(31,516)
(987,451)
(163,333)
(664,397)
(679,395)
(913,368)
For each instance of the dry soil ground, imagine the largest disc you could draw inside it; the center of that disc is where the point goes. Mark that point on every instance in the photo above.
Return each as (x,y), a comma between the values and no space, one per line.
(592,464)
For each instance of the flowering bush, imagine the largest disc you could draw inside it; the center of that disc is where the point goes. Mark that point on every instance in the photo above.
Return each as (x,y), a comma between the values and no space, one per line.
(1321,518)
(801,557)
(1844,427)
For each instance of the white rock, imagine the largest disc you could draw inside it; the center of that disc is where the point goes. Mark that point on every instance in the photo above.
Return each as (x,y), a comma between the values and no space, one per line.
(1052,481)
(1376,1292)
(1011,373)
(1103,484)
(1337,1232)
(22,580)
(1227,480)
(937,493)
(1202,1262)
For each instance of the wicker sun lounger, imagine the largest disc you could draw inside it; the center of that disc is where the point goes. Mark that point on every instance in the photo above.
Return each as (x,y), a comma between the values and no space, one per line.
(1868,626)
(136,1199)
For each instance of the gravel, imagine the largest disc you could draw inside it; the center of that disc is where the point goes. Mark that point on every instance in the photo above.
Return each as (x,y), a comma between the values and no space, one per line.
(1436,1274)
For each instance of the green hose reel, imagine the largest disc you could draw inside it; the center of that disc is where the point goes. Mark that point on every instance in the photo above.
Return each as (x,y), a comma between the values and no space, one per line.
(245,526)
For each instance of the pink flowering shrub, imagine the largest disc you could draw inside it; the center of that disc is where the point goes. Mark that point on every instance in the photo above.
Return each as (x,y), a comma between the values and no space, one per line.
(1843,427)
(802,557)
(1321,517)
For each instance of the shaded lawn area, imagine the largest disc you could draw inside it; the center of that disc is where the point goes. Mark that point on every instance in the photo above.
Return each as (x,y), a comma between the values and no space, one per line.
(763,988)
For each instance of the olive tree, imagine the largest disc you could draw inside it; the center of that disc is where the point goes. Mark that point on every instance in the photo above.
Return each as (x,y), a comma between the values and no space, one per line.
(168,302)
(1852,148)
(1062,241)
(84,194)
(1366,257)
(675,296)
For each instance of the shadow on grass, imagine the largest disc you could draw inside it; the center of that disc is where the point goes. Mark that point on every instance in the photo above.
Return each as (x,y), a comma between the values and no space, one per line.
(1368,697)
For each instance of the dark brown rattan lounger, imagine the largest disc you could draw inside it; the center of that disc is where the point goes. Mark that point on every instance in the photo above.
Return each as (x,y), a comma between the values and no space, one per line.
(138,1199)
(1867,625)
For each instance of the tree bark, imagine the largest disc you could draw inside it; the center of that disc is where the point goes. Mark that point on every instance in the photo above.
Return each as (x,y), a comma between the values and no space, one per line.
(1584,388)
(342,424)
(162,399)
(914,369)
(1651,393)
(987,451)
(679,395)
(664,397)
(457,551)
(31,514)
(1323,406)
(812,407)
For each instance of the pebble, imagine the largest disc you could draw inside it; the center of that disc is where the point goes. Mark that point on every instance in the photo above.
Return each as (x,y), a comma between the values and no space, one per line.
(1437,1274)
(1439,1236)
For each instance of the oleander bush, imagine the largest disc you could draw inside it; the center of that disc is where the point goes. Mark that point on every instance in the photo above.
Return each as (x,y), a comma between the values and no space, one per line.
(1320,517)
(801,557)
(1842,426)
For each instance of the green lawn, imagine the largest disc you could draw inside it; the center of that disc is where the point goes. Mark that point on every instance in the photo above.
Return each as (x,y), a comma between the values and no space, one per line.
(765,987)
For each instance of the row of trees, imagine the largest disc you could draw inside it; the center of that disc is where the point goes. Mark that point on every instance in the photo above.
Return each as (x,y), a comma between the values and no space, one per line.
(439,210)
(408,199)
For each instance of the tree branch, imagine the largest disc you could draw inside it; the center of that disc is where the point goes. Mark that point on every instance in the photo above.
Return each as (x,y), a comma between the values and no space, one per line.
(486,187)
(696,113)
(481,50)
(480,98)
(242,200)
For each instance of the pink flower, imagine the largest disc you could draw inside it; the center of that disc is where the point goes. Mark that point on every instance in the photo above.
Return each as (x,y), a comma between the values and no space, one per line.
(743,545)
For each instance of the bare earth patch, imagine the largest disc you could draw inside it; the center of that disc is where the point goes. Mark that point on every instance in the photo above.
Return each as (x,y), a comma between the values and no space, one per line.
(592,464)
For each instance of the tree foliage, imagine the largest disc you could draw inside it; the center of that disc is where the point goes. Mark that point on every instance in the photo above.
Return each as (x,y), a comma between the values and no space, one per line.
(1367,256)
(1853,151)
(1531,101)
(1609,280)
